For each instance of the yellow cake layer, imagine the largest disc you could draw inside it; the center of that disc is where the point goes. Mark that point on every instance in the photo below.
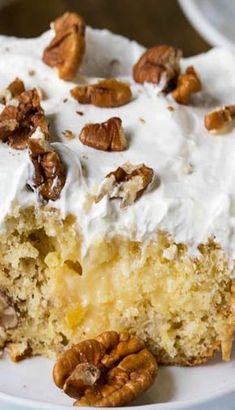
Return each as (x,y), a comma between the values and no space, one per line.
(181,306)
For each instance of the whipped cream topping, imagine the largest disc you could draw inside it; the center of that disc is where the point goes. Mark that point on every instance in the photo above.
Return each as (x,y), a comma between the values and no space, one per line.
(195,199)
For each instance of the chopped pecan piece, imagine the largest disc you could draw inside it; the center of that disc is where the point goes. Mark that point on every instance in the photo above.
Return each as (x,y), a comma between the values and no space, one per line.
(18,123)
(220,119)
(105,136)
(106,93)
(66,50)
(49,177)
(8,316)
(110,370)
(187,84)
(16,87)
(13,90)
(159,64)
(127,182)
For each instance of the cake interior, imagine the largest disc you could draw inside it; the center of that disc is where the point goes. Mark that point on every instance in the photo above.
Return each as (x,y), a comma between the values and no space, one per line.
(181,306)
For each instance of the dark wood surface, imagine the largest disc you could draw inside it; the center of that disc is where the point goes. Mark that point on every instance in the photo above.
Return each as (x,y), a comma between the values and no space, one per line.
(147,21)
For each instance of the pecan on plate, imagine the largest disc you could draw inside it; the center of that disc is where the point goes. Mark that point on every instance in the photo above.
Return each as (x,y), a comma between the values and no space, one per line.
(105,136)
(110,370)
(66,50)
(158,65)
(17,123)
(187,84)
(49,172)
(127,183)
(219,120)
(8,316)
(106,93)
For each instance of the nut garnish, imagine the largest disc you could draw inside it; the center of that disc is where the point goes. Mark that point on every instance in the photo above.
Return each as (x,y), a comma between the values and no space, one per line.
(106,93)
(49,177)
(14,89)
(187,84)
(17,123)
(8,316)
(159,64)
(105,136)
(220,119)
(110,370)
(66,50)
(127,183)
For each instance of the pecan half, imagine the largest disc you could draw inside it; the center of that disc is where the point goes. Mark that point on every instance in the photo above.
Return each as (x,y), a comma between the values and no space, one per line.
(110,370)
(159,64)
(8,316)
(220,119)
(17,123)
(127,183)
(49,177)
(105,136)
(187,84)
(106,93)
(66,50)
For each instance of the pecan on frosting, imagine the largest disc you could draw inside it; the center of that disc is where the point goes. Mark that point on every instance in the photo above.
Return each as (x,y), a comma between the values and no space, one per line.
(17,123)
(105,136)
(158,65)
(219,120)
(49,172)
(187,84)
(105,94)
(127,183)
(66,50)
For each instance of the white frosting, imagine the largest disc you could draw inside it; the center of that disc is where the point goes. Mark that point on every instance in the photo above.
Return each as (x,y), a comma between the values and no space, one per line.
(196,196)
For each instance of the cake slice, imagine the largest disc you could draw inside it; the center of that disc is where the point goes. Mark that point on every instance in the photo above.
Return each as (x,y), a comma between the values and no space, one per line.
(120,215)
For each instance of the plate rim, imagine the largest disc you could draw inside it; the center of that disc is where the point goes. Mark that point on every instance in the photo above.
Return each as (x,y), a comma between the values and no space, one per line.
(198,20)
(178,405)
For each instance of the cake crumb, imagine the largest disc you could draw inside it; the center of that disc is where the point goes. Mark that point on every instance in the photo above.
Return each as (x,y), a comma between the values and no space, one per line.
(142,120)
(79,112)
(31,73)
(69,135)
(65,100)
(170,108)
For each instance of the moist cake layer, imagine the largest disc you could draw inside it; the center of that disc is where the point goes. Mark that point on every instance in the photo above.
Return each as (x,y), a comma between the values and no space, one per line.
(180,306)
(192,196)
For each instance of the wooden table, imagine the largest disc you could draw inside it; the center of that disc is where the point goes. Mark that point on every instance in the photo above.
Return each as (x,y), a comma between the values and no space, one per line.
(148,21)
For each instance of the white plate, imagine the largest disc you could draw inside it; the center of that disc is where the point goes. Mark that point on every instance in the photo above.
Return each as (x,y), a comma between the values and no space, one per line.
(213,19)
(29,384)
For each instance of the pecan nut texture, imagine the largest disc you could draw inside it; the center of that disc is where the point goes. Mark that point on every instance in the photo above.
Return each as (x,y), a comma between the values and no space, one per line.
(14,89)
(49,172)
(127,183)
(17,123)
(66,50)
(158,65)
(110,370)
(105,136)
(187,84)
(105,94)
(219,121)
